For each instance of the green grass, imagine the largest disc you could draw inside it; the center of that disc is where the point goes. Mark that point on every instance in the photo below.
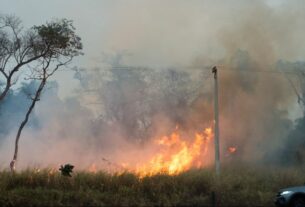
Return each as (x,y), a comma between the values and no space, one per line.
(237,186)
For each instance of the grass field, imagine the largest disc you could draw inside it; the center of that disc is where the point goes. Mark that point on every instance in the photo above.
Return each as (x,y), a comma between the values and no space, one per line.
(237,186)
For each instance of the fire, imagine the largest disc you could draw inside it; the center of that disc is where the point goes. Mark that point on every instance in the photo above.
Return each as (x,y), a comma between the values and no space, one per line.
(232,150)
(92,168)
(177,154)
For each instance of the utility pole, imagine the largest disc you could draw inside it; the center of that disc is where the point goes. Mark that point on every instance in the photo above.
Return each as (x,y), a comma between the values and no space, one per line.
(216,122)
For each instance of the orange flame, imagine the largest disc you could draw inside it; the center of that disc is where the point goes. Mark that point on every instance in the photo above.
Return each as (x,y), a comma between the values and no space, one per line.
(177,154)
(232,150)
(92,168)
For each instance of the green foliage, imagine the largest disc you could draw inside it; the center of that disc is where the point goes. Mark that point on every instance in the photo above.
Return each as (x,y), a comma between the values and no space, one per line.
(57,38)
(237,186)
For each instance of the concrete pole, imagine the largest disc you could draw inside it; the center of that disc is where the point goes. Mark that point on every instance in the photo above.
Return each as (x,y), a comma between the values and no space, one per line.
(216,122)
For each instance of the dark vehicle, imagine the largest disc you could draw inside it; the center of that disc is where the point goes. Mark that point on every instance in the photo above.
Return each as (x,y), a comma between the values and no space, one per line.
(291,197)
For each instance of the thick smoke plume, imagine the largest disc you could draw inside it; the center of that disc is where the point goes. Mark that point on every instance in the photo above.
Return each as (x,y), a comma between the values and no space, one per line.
(117,110)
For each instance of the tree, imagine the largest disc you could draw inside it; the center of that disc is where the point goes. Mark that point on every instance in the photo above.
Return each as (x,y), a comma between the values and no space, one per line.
(59,44)
(19,48)
(16,50)
(134,100)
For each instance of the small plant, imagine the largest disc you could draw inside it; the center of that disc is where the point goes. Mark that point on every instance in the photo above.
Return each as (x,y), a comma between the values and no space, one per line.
(66,170)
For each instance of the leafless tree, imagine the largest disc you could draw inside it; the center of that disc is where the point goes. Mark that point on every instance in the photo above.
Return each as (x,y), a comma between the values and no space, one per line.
(58,38)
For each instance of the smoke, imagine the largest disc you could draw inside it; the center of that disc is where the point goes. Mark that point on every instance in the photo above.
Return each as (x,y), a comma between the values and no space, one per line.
(14,107)
(293,148)
(116,112)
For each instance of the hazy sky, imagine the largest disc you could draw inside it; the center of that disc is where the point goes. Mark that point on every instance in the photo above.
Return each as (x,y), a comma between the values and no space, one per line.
(167,33)
(96,20)
(91,18)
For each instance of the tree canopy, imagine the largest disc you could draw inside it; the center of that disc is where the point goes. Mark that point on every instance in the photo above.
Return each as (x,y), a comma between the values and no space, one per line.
(53,42)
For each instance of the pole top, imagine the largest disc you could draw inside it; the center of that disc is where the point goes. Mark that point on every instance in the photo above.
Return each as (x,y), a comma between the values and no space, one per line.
(214,70)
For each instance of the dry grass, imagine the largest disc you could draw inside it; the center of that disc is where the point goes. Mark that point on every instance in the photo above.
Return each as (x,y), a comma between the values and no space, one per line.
(237,186)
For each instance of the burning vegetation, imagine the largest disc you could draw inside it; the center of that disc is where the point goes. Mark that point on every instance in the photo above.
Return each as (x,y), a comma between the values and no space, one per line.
(177,154)
(115,119)
(126,112)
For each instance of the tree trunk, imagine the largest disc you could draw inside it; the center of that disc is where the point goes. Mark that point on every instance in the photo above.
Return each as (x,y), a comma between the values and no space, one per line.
(6,89)
(24,122)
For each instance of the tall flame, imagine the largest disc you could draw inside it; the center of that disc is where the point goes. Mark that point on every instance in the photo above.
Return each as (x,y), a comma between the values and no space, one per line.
(177,154)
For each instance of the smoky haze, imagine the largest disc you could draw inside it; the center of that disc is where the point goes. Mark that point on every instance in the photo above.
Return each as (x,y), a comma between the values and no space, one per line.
(116,111)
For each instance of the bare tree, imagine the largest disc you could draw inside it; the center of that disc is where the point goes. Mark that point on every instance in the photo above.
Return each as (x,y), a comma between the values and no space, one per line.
(63,45)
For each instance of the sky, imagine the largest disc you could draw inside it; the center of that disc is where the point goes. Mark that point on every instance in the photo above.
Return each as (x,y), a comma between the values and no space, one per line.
(159,33)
